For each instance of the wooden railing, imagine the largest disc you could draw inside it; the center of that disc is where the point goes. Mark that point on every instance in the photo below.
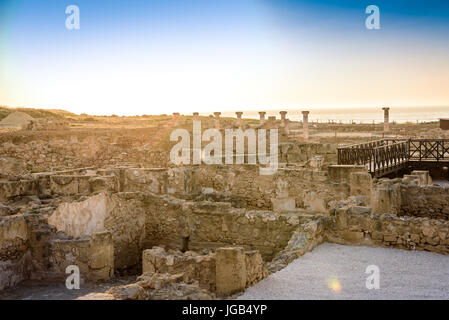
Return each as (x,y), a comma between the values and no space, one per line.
(429,150)
(387,155)
(358,153)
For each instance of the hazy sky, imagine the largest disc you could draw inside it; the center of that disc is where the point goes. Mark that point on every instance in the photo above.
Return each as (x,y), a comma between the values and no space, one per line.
(149,57)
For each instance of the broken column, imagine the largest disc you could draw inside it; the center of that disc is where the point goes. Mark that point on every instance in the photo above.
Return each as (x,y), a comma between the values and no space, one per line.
(262,117)
(386,119)
(305,124)
(195,116)
(217,120)
(239,118)
(230,268)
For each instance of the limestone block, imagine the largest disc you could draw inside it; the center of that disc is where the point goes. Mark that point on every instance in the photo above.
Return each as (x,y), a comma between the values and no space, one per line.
(353,236)
(193,266)
(341,173)
(10,189)
(81,218)
(314,203)
(285,204)
(101,258)
(255,268)
(361,210)
(360,183)
(230,270)
(128,292)
(424,177)
(64,184)
(386,198)
(104,183)
(316,163)
(411,179)
(141,179)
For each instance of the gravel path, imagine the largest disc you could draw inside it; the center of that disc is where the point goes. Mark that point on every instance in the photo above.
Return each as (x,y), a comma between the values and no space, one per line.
(334,271)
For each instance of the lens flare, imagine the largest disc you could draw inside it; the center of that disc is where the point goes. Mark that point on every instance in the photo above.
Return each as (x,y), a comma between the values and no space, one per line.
(334,284)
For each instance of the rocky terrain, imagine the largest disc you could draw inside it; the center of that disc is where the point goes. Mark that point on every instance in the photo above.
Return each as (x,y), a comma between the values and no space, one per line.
(101,194)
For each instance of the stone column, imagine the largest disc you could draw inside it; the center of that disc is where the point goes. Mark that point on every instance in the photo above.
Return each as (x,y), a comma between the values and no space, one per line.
(283,118)
(386,119)
(195,116)
(262,117)
(305,124)
(175,118)
(239,118)
(217,120)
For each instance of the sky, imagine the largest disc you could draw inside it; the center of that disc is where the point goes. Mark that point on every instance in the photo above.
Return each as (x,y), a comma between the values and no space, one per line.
(150,57)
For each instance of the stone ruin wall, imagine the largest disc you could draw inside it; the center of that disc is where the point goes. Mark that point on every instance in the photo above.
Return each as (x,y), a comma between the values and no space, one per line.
(120,211)
(180,224)
(62,149)
(197,267)
(413,195)
(59,151)
(15,255)
(358,226)
(29,250)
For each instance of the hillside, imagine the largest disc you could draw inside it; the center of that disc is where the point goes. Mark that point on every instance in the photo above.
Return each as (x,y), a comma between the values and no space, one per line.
(37,113)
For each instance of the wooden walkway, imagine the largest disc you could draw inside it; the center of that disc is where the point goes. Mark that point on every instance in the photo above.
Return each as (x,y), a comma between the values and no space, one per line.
(386,156)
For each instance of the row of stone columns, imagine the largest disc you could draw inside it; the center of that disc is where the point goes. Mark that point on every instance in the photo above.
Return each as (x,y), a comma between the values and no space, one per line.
(305,119)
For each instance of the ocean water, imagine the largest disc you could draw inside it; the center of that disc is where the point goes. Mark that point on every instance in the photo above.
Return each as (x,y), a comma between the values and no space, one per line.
(357,115)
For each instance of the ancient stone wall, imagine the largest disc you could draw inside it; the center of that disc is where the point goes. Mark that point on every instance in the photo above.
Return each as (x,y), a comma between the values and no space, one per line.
(200,267)
(410,197)
(94,256)
(300,152)
(30,249)
(311,189)
(358,226)
(425,201)
(122,214)
(179,224)
(61,150)
(308,235)
(12,189)
(15,254)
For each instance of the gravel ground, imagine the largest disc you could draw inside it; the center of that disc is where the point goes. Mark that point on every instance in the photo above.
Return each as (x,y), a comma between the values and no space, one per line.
(334,271)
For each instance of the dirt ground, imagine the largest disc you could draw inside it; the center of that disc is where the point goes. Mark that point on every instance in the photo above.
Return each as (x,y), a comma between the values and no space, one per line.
(36,290)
